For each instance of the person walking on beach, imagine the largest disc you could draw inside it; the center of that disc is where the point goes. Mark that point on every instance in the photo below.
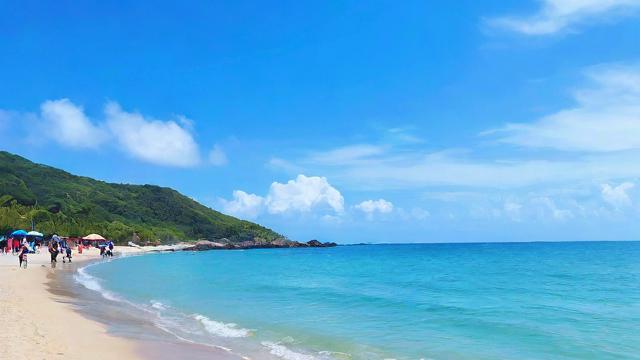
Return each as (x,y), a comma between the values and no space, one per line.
(53,250)
(23,253)
(67,255)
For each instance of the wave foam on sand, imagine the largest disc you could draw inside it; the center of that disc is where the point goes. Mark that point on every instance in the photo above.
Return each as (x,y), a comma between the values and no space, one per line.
(188,328)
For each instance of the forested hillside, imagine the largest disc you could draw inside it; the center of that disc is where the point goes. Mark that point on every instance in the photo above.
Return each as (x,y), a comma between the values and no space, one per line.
(62,203)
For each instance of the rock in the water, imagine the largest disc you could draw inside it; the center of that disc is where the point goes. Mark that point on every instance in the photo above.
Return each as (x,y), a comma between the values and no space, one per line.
(316,243)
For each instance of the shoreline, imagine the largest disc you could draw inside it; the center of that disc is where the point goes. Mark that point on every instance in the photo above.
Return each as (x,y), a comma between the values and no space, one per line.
(44,316)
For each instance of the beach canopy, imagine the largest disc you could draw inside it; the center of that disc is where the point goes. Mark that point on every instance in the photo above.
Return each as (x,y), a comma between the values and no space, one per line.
(34,233)
(19,233)
(94,237)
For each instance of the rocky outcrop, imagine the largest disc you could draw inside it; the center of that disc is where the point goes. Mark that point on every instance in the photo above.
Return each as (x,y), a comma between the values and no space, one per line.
(203,245)
(316,243)
(257,243)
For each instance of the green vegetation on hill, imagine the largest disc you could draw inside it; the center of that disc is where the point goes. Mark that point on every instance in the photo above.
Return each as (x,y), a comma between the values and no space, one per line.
(62,203)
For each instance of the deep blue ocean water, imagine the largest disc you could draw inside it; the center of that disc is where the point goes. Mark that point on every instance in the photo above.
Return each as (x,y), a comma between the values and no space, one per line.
(428,301)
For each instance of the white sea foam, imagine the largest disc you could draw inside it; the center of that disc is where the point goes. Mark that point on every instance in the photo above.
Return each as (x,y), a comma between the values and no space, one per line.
(166,318)
(92,283)
(336,355)
(284,352)
(158,305)
(221,329)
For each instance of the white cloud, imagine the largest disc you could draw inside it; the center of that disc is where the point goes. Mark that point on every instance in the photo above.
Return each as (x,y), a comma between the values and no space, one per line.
(606,117)
(154,141)
(303,194)
(557,15)
(347,154)
(243,205)
(403,135)
(400,170)
(168,143)
(67,124)
(419,213)
(5,116)
(617,196)
(595,141)
(556,212)
(372,206)
(282,164)
(217,156)
(512,210)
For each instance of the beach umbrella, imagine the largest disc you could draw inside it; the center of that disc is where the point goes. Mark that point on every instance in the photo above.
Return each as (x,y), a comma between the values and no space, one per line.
(56,238)
(19,233)
(94,237)
(34,233)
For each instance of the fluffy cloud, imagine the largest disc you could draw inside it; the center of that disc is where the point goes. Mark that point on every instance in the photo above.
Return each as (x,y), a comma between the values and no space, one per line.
(606,117)
(303,194)
(67,124)
(154,141)
(217,156)
(557,15)
(161,142)
(243,205)
(373,206)
(617,196)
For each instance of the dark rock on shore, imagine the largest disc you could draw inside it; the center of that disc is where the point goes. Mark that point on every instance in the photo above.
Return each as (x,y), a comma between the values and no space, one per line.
(225,244)
(316,243)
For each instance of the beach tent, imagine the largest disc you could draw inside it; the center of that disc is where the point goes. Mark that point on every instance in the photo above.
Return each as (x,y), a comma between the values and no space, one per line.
(94,237)
(19,233)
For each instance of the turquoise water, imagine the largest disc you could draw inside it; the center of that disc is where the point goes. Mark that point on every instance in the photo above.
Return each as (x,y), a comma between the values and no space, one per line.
(444,301)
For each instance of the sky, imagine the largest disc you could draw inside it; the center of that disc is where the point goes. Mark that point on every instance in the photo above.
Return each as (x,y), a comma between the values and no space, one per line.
(345,121)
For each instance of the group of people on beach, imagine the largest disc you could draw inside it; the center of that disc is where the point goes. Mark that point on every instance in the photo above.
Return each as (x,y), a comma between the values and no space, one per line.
(106,250)
(22,243)
(55,248)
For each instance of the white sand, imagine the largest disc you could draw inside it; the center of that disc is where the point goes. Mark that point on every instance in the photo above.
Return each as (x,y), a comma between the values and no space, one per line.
(34,325)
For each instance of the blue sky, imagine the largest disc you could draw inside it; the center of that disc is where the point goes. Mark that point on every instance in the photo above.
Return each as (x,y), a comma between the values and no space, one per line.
(345,121)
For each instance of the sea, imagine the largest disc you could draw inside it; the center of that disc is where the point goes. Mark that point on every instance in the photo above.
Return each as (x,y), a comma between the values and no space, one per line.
(564,300)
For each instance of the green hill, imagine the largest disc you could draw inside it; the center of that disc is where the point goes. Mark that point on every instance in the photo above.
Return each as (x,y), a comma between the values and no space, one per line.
(62,203)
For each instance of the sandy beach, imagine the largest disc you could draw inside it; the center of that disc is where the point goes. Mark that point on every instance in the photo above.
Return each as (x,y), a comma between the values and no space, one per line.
(40,319)
(37,324)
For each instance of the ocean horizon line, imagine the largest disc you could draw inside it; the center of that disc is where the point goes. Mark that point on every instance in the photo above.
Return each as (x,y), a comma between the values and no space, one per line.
(490,242)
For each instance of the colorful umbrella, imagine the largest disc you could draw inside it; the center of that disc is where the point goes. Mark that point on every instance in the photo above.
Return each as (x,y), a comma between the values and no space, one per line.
(19,233)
